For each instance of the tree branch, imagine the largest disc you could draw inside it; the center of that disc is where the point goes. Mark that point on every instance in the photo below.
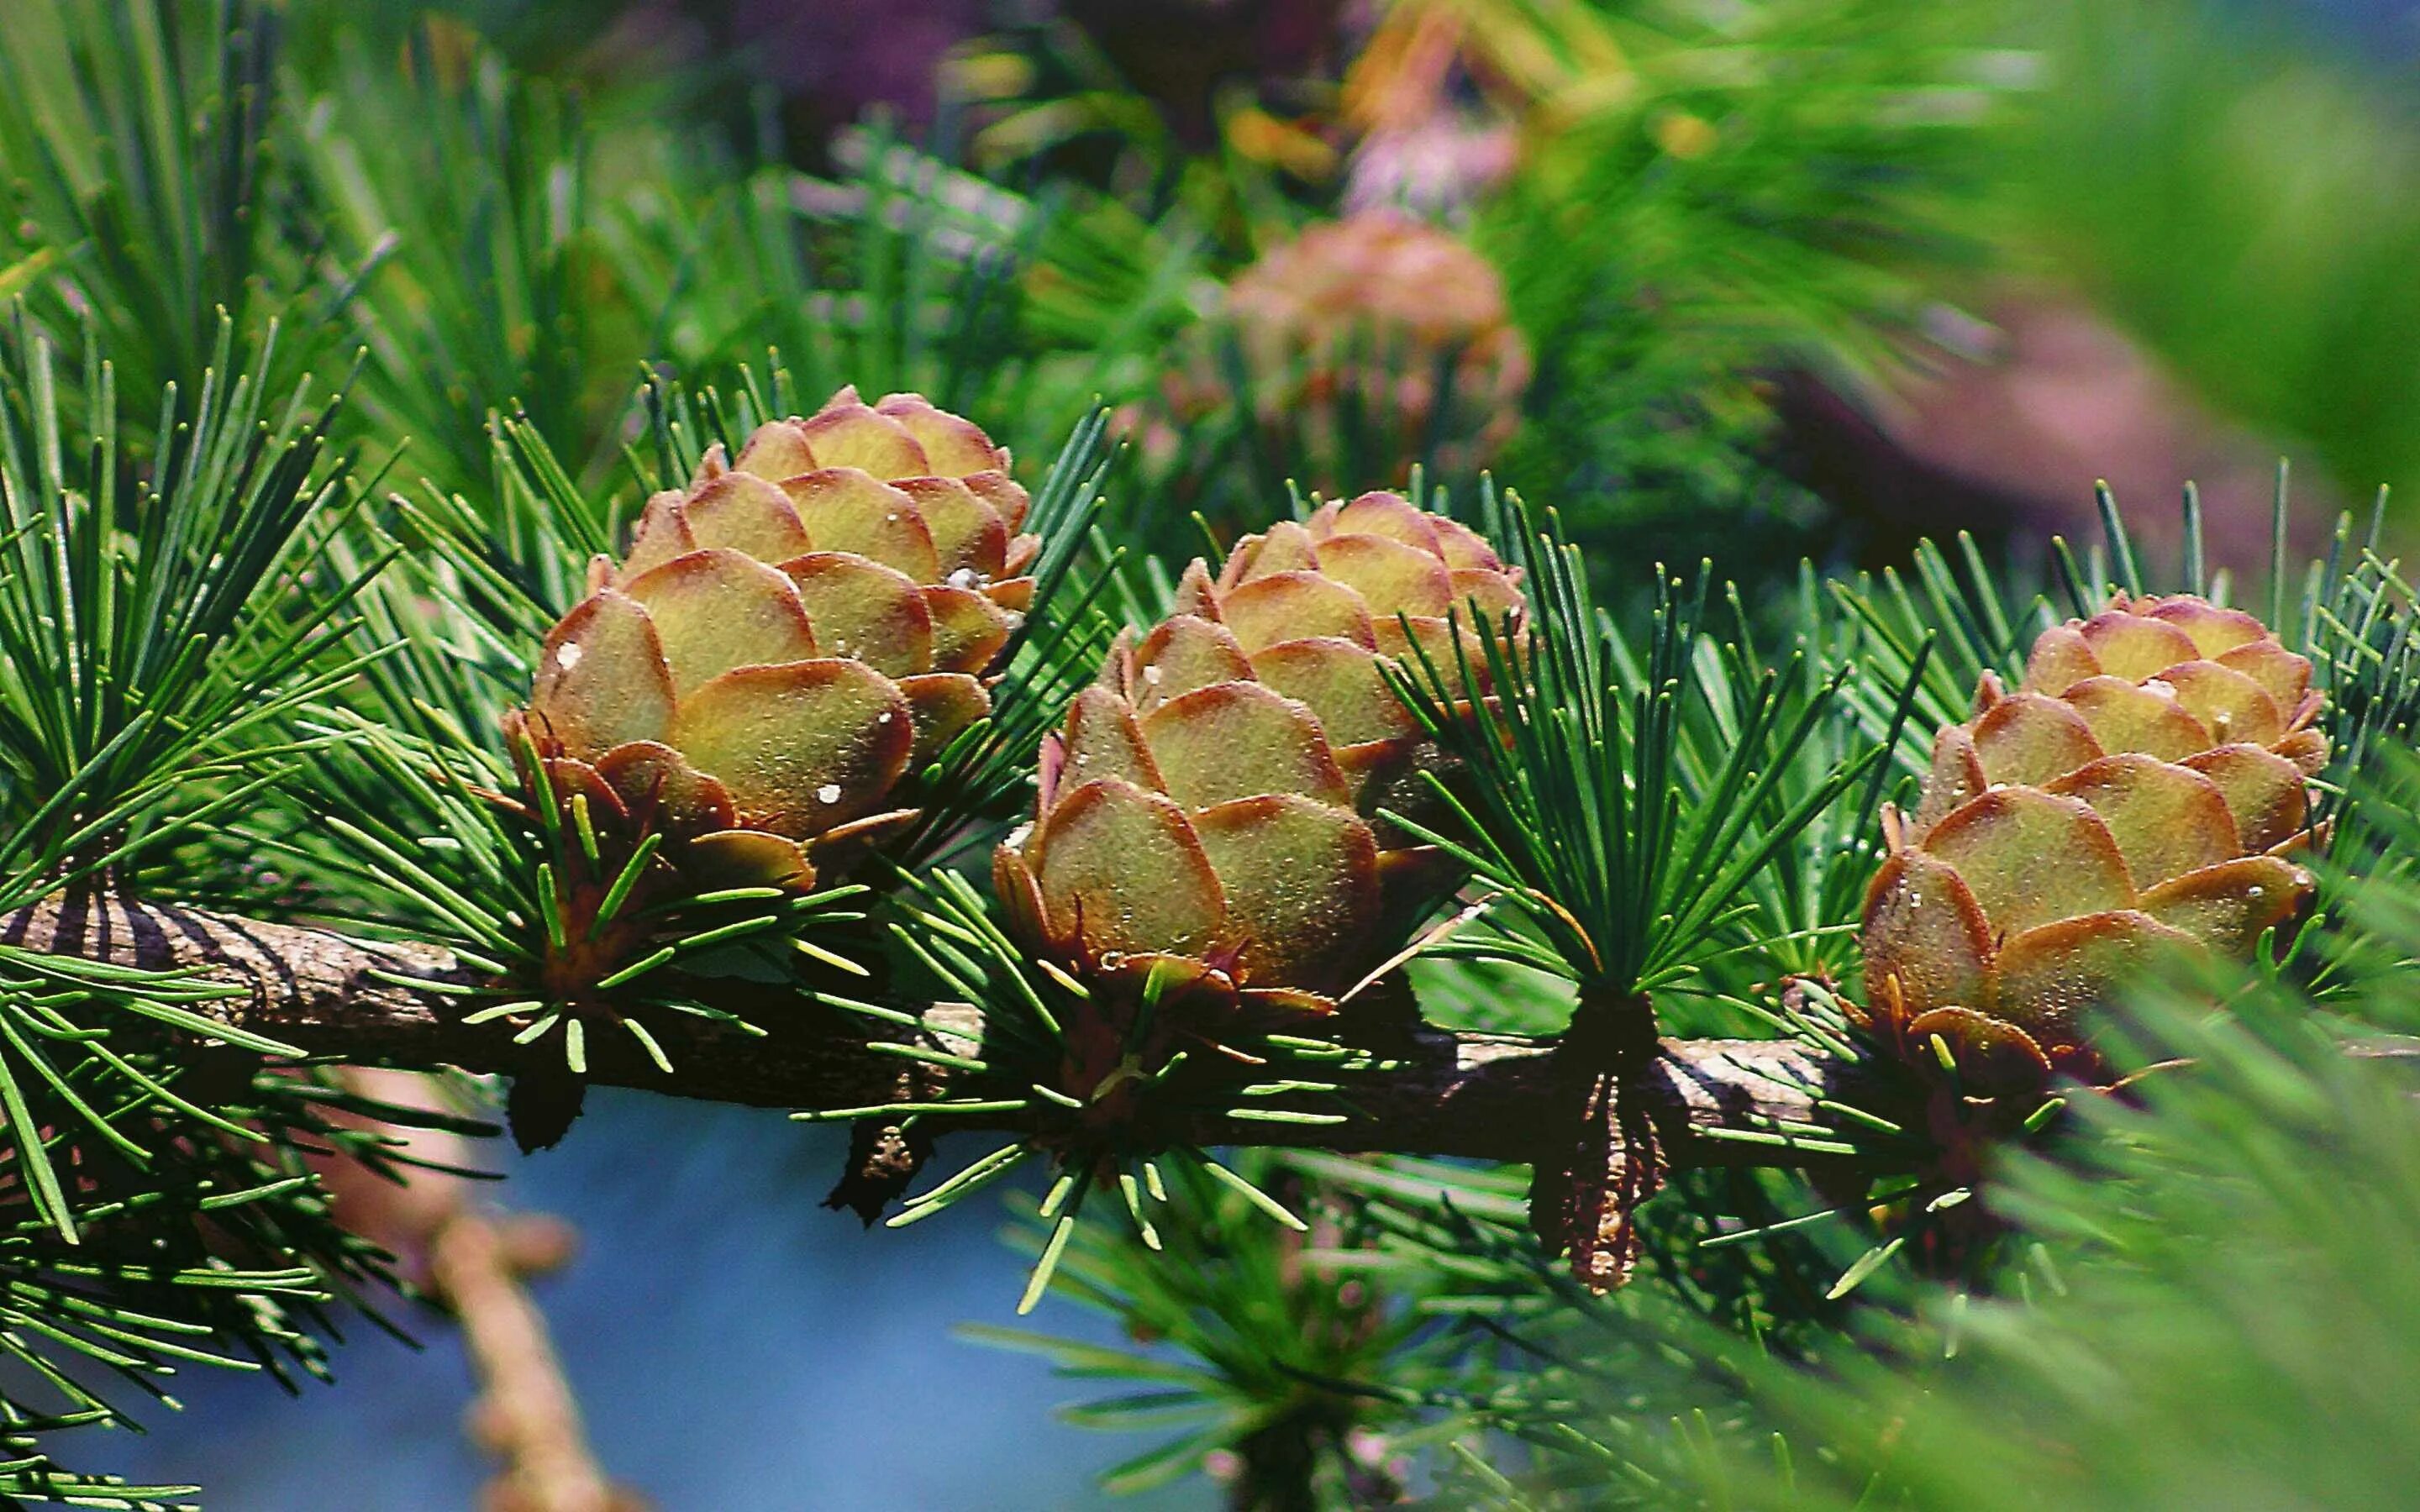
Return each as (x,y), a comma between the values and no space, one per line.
(524,1415)
(1446,1094)
(478,1264)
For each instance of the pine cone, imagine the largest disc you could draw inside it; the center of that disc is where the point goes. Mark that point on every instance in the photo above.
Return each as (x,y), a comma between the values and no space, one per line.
(787,638)
(1208,810)
(2146,785)
(1380,265)
(1365,311)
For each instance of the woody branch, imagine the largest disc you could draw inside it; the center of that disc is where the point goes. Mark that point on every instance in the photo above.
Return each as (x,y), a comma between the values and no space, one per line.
(1440,1093)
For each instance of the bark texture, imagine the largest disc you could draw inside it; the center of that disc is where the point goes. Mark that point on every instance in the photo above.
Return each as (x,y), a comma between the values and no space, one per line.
(1488,1096)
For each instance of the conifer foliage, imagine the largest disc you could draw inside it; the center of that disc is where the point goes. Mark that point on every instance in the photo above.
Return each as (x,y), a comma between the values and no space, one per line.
(1713,1045)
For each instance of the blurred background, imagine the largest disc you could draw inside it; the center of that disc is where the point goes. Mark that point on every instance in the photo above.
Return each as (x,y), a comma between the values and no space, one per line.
(1761,279)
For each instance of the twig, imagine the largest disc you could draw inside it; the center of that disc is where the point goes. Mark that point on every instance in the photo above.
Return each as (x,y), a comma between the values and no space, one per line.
(1441,1094)
(524,1414)
(477,1264)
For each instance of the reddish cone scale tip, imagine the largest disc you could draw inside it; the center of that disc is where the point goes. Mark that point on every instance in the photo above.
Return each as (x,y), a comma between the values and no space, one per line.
(787,637)
(2147,786)
(1207,810)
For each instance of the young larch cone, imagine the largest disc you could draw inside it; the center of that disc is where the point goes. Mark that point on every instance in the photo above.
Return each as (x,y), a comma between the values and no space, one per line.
(2146,786)
(1207,817)
(787,638)
(1369,310)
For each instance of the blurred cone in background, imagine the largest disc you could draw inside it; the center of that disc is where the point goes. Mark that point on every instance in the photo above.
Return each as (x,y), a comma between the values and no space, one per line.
(1357,350)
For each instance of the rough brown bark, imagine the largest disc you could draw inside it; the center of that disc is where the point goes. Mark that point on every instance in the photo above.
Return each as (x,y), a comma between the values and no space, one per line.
(1445,1094)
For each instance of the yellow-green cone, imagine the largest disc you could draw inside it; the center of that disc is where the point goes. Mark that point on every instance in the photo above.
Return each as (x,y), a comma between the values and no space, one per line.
(2147,785)
(1207,810)
(786,636)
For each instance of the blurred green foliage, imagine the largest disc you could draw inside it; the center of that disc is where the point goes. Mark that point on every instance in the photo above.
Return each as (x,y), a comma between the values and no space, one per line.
(2247,200)
(1759,187)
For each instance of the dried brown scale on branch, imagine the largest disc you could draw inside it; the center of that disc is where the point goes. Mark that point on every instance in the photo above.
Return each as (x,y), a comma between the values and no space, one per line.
(1585,1190)
(883,1158)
